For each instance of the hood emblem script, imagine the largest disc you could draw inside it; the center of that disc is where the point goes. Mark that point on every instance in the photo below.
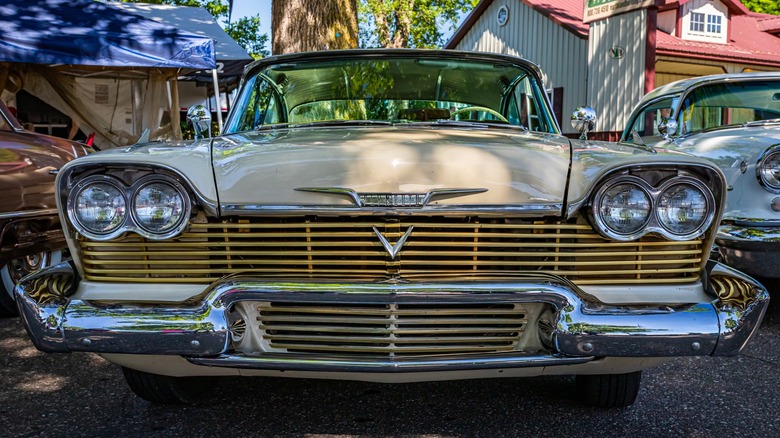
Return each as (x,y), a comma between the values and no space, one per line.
(393,200)
(393,250)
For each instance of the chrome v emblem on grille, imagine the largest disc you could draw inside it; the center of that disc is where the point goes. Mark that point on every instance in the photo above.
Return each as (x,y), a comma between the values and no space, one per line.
(393,250)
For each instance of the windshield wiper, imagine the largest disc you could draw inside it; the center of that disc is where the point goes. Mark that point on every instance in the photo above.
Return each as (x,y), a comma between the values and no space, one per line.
(762,123)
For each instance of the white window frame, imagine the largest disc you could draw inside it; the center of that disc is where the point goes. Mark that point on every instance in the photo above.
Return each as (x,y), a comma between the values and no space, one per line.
(714,23)
(697,21)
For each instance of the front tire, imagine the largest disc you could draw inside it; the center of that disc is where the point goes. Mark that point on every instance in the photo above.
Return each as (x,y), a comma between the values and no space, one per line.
(609,390)
(18,268)
(161,389)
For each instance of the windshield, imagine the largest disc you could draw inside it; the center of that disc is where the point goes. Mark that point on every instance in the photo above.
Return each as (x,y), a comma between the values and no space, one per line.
(710,106)
(382,90)
(729,103)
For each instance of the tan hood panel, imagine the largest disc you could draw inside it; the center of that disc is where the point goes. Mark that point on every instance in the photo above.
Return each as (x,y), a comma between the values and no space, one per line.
(264,169)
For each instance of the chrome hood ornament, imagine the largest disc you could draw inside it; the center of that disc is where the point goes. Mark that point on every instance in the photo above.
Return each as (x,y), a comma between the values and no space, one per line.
(393,250)
(407,200)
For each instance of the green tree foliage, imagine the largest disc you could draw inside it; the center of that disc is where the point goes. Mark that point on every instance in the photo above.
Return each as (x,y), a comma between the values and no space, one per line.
(763,6)
(245,31)
(409,23)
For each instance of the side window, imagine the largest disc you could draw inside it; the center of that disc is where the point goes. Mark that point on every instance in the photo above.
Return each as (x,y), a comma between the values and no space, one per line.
(646,122)
(526,106)
(259,106)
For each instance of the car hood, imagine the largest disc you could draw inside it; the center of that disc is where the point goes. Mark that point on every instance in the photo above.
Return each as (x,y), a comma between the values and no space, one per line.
(307,167)
(730,146)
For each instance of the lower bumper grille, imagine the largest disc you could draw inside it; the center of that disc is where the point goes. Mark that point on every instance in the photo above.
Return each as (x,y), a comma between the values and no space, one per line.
(436,247)
(390,330)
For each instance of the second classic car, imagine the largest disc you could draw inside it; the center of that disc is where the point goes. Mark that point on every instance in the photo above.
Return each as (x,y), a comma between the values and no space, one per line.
(31,237)
(734,121)
(390,216)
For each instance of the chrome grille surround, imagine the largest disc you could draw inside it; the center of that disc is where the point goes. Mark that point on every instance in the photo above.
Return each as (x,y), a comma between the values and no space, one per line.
(439,247)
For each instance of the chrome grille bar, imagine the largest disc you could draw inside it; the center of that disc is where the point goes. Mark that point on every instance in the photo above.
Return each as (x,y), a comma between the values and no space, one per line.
(389,329)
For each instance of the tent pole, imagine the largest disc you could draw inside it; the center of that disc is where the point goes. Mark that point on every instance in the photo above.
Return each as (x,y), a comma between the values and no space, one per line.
(218,104)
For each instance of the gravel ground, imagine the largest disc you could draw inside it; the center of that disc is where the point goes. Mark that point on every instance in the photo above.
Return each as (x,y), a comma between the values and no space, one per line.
(74,395)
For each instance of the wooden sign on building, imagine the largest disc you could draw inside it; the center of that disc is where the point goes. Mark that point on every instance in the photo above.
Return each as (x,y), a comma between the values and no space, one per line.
(599,9)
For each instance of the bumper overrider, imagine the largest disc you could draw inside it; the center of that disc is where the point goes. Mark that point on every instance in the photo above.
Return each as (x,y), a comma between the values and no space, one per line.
(582,328)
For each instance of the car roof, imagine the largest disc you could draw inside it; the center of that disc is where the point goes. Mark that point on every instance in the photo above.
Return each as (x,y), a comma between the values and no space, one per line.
(682,85)
(422,53)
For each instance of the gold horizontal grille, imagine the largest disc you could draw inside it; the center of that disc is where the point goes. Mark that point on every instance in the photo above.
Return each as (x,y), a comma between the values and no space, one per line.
(390,329)
(350,248)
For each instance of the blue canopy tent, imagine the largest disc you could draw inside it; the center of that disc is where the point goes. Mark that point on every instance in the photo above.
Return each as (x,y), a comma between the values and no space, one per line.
(66,52)
(85,32)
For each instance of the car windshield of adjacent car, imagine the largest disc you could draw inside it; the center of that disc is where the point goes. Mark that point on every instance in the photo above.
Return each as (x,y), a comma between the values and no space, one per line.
(712,106)
(392,90)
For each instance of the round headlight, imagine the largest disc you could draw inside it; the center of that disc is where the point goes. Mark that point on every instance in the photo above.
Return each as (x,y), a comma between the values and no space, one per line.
(682,209)
(158,207)
(769,171)
(624,208)
(100,208)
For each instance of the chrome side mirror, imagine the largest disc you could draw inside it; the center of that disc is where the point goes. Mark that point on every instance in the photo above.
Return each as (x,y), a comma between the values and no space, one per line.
(667,126)
(583,119)
(200,117)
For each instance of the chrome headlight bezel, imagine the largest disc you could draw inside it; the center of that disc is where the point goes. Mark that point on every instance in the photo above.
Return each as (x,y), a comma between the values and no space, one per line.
(709,208)
(601,222)
(653,223)
(178,226)
(72,207)
(130,222)
(761,169)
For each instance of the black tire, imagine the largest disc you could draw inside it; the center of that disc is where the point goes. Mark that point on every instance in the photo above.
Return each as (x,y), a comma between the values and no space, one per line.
(165,389)
(609,390)
(7,302)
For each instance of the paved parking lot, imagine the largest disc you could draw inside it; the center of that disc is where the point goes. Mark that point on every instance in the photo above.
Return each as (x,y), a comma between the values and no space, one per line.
(83,395)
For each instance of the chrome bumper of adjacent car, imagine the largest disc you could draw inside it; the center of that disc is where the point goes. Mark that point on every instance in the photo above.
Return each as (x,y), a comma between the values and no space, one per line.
(583,328)
(751,248)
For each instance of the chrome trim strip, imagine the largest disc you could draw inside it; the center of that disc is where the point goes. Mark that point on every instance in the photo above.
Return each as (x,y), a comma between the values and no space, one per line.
(754,233)
(585,327)
(26,214)
(302,362)
(502,210)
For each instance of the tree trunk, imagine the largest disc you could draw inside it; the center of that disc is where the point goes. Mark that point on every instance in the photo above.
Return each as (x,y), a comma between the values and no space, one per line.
(312,25)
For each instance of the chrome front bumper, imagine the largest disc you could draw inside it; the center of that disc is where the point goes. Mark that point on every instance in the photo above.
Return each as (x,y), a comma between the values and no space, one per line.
(752,249)
(585,328)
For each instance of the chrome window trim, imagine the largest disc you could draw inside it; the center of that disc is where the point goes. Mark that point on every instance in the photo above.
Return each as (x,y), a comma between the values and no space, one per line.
(760,164)
(653,224)
(130,223)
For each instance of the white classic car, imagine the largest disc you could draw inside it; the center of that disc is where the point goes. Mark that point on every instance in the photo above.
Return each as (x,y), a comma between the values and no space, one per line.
(734,121)
(390,216)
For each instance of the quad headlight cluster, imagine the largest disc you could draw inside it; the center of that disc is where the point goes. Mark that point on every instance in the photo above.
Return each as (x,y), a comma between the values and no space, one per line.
(768,169)
(101,207)
(627,207)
